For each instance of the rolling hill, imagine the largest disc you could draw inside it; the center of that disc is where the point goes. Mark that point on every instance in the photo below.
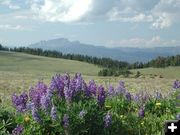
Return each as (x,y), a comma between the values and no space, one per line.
(27,64)
(122,53)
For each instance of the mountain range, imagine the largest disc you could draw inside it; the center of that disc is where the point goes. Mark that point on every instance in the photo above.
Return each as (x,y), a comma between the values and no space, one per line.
(120,53)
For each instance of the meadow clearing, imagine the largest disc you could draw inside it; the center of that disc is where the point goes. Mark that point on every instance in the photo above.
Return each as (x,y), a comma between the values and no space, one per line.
(19,71)
(75,105)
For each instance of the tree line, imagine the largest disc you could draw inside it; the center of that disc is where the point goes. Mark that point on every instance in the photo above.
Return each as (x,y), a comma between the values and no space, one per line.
(110,67)
(160,62)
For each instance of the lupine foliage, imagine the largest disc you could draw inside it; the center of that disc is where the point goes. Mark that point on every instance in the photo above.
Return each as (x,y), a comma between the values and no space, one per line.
(70,106)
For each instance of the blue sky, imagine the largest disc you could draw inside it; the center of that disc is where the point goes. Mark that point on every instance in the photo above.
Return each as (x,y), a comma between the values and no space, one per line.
(111,23)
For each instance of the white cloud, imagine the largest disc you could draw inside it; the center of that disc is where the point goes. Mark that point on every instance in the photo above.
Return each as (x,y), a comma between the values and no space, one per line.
(136,18)
(61,10)
(166,12)
(9,4)
(162,21)
(159,14)
(155,41)
(11,27)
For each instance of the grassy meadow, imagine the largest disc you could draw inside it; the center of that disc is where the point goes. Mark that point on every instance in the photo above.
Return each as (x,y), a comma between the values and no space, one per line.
(18,71)
(83,112)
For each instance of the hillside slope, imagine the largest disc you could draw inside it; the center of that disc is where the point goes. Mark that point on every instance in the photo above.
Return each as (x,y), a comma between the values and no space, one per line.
(25,63)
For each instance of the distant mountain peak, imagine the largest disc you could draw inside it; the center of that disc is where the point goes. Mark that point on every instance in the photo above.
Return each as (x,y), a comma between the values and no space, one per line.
(121,53)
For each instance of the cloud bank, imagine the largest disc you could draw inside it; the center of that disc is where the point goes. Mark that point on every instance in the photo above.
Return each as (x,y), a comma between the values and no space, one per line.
(159,13)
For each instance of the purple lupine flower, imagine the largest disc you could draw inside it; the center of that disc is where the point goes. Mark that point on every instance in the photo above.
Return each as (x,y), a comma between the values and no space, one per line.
(101,96)
(70,91)
(122,83)
(79,82)
(176,84)
(141,112)
(82,113)
(108,120)
(35,96)
(178,116)
(72,86)
(111,90)
(128,96)
(92,88)
(76,75)
(136,97)
(49,93)
(24,97)
(37,92)
(65,121)
(41,87)
(18,130)
(87,90)
(68,94)
(158,95)
(20,102)
(142,97)
(145,97)
(53,113)
(35,114)
(57,84)
(84,86)
(121,88)
(29,105)
(66,79)
(45,102)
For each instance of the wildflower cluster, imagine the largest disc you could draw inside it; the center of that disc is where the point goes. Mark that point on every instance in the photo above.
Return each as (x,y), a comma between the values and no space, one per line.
(72,106)
(18,130)
(20,102)
(176,84)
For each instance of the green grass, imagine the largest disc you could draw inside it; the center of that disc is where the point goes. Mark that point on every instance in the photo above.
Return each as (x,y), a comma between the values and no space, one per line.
(19,71)
(168,72)
(24,63)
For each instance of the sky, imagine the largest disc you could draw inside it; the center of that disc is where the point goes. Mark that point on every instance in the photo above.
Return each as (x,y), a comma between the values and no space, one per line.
(110,23)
